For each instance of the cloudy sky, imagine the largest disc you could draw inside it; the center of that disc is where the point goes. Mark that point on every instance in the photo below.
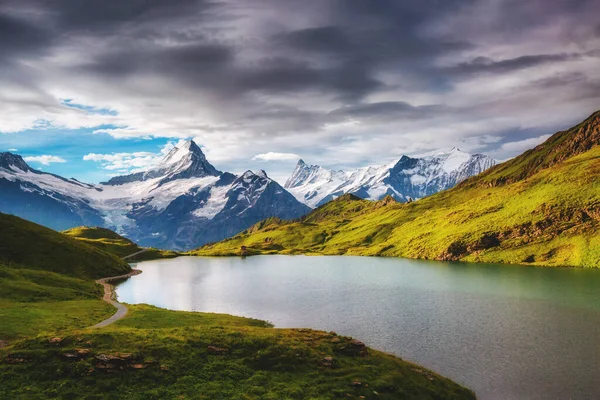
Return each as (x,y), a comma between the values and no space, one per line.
(95,88)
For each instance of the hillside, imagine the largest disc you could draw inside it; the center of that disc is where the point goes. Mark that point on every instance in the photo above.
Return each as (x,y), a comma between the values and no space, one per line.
(36,247)
(111,242)
(541,208)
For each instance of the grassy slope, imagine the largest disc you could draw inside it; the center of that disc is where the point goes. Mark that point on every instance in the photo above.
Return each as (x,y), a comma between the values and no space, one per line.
(111,242)
(172,348)
(46,280)
(33,301)
(258,362)
(28,244)
(542,208)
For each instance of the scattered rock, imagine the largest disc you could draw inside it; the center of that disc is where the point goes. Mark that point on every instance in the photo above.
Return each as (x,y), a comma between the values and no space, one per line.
(15,360)
(138,366)
(328,361)
(82,352)
(106,366)
(426,374)
(356,384)
(124,356)
(3,343)
(217,350)
(336,340)
(56,340)
(164,368)
(109,358)
(355,348)
(113,362)
(71,356)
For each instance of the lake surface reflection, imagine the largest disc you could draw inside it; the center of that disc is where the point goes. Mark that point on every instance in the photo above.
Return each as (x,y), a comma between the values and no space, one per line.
(507,332)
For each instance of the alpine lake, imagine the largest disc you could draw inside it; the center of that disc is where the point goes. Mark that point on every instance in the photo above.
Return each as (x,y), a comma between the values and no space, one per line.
(504,331)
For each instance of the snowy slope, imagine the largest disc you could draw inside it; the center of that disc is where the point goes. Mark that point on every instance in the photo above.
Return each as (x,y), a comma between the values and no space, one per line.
(311,184)
(182,203)
(404,179)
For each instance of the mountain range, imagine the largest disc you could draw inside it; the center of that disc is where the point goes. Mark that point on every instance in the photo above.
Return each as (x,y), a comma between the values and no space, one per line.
(405,179)
(540,208)
(185,202)
(181,203)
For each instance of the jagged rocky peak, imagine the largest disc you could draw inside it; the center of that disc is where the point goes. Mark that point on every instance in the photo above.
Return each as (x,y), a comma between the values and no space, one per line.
(262,173)
(185,161)
(311,174)
(13,161)
(250,176)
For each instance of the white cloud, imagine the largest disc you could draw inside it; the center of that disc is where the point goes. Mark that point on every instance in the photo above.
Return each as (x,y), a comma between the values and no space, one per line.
(130,162)
(125,163)
(272,156)
(521,145)
(13,150)
(45,159)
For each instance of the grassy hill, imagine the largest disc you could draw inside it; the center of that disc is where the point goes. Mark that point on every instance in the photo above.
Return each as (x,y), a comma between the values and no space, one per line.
(48,299)
(541,208)
(113,243)
(23,243)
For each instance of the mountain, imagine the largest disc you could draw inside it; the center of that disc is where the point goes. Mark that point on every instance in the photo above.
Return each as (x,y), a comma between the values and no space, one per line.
(405,179)
(541,208)
(44,198)
(181,203)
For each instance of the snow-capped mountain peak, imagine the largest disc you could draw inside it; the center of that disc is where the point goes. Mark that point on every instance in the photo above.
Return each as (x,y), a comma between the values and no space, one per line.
(185,161)
(454,160)
(404,179)
(13,162)
(185,153)
(314,174)
(262,173)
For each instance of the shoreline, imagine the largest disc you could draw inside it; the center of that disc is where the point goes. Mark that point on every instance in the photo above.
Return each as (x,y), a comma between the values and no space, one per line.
(110,298)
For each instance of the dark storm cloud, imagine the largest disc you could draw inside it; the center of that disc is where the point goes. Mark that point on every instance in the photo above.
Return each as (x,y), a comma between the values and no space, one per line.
(485,65)
(17,35)
(390,109)
(100,14)
(278,68)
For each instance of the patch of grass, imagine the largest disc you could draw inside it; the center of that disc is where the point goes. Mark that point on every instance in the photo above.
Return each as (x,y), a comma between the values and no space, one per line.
(25,319)
(27,285)
(113,243)
(34,302)
(549,215)
(196,355)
